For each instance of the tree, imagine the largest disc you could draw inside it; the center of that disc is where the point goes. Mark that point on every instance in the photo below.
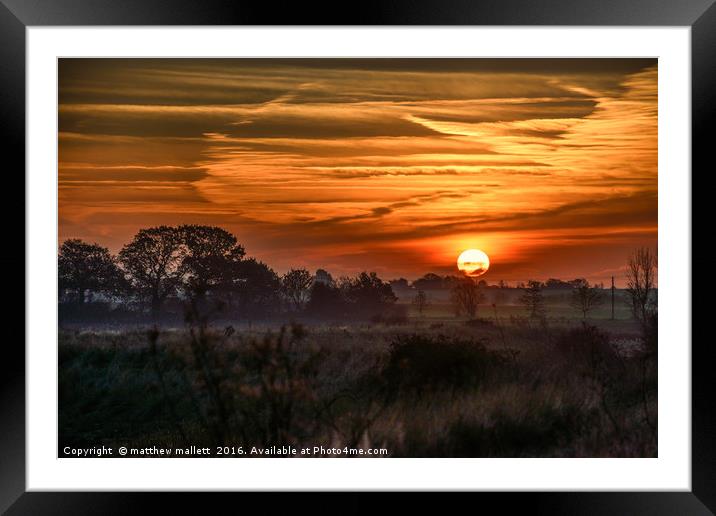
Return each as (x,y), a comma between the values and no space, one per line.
(558,284)
(367,294)
(296,285)
(86,267)
(466,296)
(429,282)
(585,298)
(153,262)
(209,256)
(326,300)
(399,284)
(533,299)
(420,301)
(256,286)
(641,279)
(323,276)
(401,287)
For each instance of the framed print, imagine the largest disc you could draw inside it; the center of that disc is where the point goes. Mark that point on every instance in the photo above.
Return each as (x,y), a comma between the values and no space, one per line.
(453,238)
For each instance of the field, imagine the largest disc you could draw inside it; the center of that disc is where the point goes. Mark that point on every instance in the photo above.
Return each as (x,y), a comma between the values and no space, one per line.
(435,385)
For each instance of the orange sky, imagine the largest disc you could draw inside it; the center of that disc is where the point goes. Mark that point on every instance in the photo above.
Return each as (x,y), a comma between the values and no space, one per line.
(387,165)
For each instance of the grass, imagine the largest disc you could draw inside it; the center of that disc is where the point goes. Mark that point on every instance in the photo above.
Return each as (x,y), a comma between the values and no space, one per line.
(434,387)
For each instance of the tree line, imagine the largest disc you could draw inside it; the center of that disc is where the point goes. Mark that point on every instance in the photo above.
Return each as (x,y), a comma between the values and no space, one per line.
(432,281)
(467,294)
(206,265)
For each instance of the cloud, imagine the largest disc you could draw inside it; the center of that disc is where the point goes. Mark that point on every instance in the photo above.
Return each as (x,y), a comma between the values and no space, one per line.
(382,210)
(138,173)
(392,161)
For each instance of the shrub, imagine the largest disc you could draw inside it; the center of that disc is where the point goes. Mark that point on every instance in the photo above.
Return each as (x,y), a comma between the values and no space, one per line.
(588,350)
(586,345)
(277,394)
(418,362)
(534,434)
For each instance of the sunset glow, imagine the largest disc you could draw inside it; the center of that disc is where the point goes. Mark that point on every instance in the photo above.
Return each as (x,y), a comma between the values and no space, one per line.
(389,165)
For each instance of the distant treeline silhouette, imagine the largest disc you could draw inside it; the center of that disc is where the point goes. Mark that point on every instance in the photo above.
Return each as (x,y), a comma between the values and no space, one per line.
(206,266)
(166,267)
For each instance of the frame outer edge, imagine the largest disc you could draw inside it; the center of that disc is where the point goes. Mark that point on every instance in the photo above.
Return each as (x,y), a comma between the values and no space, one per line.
(369,12)
(703,109)
(12,260)
(12,104)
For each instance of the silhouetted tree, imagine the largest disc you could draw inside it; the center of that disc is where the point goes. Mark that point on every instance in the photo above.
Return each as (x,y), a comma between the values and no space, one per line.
(256,287)
(401,287)
(558,284)
(367,294)
(641,279)
(429,282)
(400,283)
(533,299)
(86,267)
(326,301)
(209,259)
(586,298)
(420,301)
(153,262)
(296,285)
(323,276)
(466,297)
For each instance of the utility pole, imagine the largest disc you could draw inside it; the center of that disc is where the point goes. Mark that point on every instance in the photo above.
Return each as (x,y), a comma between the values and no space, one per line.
(612,298)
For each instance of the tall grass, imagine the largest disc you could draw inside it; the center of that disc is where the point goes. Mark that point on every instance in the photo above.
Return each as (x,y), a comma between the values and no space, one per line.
(512,389)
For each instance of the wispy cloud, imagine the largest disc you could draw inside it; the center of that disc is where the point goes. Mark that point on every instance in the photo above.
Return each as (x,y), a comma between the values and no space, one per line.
(389,164)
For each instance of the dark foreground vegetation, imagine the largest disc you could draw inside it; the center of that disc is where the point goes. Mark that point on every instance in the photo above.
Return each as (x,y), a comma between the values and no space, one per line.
(496,389)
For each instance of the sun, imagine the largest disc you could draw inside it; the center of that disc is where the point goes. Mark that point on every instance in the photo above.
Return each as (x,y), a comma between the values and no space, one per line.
(473,263)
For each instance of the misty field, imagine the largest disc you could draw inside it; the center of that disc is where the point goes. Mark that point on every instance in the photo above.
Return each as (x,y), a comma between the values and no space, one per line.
(434,385)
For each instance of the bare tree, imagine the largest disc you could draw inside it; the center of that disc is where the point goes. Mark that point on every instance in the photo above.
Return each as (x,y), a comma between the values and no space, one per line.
(466,296)
(420,301)
(533,299)
(586,298)
(296,285)
(641,279)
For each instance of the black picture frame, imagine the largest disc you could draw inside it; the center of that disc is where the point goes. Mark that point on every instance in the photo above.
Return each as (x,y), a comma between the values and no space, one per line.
(17,15)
